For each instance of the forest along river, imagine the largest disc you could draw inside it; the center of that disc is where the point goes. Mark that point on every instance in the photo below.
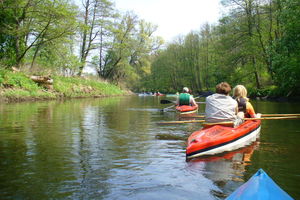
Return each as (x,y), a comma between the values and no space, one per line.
(112,148)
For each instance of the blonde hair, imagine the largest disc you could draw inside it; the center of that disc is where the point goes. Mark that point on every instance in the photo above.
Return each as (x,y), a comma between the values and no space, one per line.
(240,91)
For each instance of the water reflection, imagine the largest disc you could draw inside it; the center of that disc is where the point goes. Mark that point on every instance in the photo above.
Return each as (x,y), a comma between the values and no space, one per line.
(226,170)
(112,148)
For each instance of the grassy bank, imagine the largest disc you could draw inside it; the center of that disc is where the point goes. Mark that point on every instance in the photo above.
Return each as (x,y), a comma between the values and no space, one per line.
(16,86)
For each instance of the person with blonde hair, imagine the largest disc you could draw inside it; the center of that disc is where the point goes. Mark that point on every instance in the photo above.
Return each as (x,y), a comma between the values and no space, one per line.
(244,106)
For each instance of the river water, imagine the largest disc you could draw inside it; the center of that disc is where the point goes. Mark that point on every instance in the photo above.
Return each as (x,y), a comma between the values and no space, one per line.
(112,148)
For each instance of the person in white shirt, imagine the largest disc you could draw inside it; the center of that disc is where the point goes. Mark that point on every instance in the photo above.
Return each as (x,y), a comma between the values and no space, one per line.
(220,107)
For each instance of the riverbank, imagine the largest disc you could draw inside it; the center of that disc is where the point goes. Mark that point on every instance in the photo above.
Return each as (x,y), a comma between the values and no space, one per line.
(270,94)
(17,86)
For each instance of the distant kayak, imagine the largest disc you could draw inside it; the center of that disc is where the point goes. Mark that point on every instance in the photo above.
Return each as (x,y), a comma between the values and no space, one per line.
(186,109)
(145,94)
(159,94)
(259,187)
(172,95)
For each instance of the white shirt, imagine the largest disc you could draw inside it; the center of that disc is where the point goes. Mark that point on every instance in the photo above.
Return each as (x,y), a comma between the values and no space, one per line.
(220,108)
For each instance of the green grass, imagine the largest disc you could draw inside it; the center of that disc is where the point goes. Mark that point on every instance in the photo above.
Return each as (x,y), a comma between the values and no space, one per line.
(19,86)
(17,80)
(80,87)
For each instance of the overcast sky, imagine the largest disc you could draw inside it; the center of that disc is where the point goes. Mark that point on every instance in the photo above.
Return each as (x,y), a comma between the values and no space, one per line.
(173,17)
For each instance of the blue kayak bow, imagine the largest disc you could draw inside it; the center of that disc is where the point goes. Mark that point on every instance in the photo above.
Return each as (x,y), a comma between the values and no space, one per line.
(259,186)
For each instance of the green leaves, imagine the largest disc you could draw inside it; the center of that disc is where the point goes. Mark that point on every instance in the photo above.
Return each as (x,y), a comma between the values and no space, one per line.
(286,49)
(256,44)
(29,26)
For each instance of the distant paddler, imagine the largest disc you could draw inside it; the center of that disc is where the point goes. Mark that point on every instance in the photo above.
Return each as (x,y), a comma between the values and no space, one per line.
(185,98)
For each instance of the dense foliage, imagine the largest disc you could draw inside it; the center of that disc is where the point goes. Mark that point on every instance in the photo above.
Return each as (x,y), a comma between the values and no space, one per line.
(256,43)
(59,37)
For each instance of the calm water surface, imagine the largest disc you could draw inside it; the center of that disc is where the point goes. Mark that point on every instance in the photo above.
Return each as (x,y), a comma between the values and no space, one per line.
(112,148)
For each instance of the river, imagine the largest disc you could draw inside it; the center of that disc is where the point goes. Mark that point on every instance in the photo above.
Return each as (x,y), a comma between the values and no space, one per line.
(113,148)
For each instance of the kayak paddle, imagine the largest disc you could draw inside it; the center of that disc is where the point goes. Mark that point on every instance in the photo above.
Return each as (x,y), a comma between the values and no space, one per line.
(200,121)
(165,101)
(167,108)
(263,115)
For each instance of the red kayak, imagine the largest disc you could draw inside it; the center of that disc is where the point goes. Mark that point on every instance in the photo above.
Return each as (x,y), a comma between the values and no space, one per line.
(246,151)
(159,94)
(186,109)
(218,139)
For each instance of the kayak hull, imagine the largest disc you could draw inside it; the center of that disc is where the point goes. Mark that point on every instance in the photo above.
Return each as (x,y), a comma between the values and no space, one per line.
(259,186)
(186,109)
(218,139)
(159,95)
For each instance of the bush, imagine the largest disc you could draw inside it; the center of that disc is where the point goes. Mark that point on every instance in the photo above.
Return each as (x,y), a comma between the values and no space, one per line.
(254,92)
(270,92)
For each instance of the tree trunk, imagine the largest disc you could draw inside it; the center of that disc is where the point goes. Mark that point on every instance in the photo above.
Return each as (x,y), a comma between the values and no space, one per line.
(84,39)
(17,48)
(100,70)
(35,55)
(257,77)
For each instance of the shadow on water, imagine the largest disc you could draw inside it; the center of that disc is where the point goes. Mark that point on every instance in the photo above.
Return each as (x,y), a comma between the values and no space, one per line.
(170,137)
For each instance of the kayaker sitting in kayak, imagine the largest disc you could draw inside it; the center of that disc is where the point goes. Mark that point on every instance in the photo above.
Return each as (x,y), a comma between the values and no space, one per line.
(221,108)
(244,106)
(185,98)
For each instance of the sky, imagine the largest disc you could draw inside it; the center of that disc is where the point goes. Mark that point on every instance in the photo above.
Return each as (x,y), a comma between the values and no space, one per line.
(173,17)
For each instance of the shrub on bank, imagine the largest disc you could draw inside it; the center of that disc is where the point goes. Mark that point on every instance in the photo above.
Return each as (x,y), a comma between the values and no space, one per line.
(268,92)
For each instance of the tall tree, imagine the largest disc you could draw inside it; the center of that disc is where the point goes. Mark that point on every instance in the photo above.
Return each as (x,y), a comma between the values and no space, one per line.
(117,57)
(129,53)
(207,55)
(33,23)
(244,13)
(286,49)
(97,16)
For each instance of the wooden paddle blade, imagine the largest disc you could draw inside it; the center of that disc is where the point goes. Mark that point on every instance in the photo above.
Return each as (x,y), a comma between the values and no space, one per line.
(165,101)
(279,115)
(180,122)
(267,118)
(196,116)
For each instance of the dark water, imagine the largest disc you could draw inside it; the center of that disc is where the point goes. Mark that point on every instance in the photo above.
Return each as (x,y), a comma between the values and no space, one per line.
(112,148)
